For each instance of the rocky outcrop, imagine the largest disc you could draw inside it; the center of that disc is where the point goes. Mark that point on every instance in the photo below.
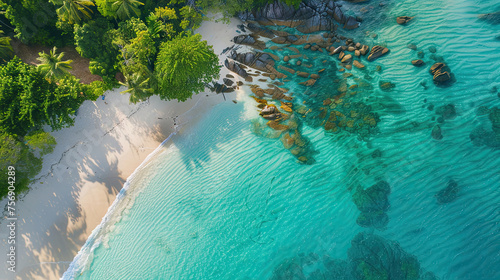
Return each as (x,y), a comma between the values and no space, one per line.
(249,40)
(236,68)
(257,60)
(492,18)
(311,16)
(376,52)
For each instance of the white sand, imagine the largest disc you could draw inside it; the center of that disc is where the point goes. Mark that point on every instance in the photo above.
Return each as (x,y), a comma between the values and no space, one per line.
(89,166)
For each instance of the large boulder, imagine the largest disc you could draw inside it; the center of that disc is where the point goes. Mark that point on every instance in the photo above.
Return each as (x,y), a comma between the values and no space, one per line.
(376,52)
(249,40)
(257,60)
(310,16)
(236,68)
(441,74)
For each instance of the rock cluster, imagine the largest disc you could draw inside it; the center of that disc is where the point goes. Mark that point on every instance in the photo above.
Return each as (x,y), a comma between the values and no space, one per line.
(373,203)
(369,257)
(311,16)
(250,40)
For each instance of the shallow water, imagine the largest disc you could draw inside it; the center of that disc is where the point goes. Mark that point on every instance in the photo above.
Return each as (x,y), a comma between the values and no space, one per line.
(224,203)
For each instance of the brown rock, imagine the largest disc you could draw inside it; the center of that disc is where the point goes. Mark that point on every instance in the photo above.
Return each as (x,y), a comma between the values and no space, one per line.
(287,141)
(348,67)
(357,53)
(341,55)
(308,83)
(403,19)
(417,62)
(347,58)
(298,63)
(314,76)
(286,58)
(441,77)
(277,126)
(291,71)
(376,52)
(351,49)
(358,64)
(307,46)
(440,73)
(303,74)
(364,49)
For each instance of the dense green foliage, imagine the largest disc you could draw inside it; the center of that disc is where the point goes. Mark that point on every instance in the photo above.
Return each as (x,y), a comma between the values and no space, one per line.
(6,51)
(184,66)
(74,11)
(94,40)
(28,100)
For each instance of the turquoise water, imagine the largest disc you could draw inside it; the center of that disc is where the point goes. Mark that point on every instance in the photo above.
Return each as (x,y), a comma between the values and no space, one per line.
(224,203)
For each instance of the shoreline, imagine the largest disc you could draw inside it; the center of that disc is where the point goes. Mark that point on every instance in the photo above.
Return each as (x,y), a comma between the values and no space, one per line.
(90,164)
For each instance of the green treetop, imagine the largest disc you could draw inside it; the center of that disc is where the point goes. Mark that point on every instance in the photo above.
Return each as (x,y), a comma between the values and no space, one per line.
(185,65)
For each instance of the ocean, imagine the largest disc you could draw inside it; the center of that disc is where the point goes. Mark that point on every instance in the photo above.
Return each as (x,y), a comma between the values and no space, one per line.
(225,199)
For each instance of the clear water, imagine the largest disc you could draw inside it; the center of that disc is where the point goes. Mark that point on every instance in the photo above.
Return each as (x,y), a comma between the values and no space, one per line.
(224,203)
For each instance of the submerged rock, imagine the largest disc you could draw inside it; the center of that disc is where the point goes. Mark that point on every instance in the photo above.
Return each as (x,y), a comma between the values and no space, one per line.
(386,86)
(436,133)
(492,18)
(447,112)
(449,193)
(373,257)
(373,203)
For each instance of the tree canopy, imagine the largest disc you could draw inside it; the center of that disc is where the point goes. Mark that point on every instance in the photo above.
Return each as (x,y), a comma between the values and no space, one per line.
(28,100)
(185,65)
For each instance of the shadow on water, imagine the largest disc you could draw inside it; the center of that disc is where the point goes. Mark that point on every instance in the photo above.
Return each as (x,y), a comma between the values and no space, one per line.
(225,123)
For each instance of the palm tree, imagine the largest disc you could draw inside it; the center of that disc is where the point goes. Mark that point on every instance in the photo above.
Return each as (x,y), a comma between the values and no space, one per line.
(138,87)
(52,64)
(6,51)
(125,9)
(73,11)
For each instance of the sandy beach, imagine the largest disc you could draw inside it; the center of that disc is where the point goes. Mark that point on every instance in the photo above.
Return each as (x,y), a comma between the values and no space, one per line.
(90,164)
